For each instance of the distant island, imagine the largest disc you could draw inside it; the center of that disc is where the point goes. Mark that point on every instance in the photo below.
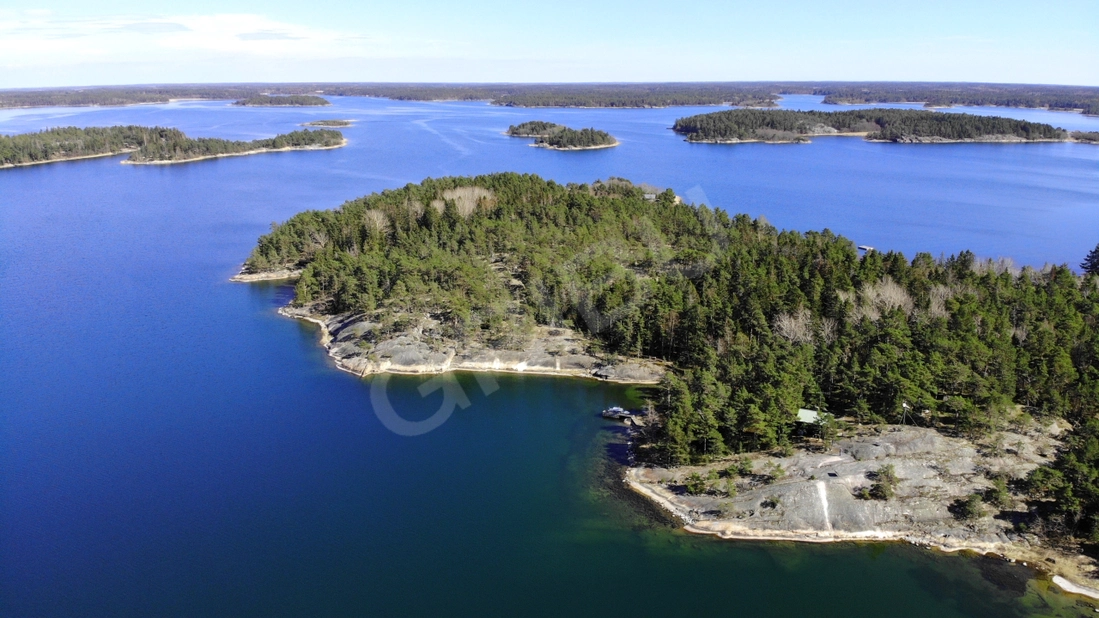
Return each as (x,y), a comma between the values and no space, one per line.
(806,391)
(328,123)
(146,145)
(1083,99)
(294,100)
(888,125)
(559,137)
(743,94)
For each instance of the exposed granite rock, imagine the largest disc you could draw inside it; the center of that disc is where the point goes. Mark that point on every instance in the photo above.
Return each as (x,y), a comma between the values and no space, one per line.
(817,495)
(354,342)
(816,499)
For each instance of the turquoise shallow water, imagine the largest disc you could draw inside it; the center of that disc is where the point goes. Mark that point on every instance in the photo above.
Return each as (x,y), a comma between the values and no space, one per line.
(169,445)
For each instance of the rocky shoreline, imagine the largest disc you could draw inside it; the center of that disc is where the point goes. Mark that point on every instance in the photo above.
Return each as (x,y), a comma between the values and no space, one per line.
(80,158)
(360,346)
(562,148)
(815,497)
(804,139)
(351,341)
(236,154)
(284,274)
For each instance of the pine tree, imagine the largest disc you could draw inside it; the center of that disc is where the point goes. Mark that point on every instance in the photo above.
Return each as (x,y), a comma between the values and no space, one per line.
(1090,265)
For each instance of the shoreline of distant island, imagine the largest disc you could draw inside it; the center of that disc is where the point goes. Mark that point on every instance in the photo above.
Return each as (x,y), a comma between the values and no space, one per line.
(987,140)
(5,166)
(330,124)
(891,125)
(1072,99)
(238,154)
(572,148)
(287,100)
(148,145)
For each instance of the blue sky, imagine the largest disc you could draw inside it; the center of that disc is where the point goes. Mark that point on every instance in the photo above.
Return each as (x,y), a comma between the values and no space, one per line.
(66,43)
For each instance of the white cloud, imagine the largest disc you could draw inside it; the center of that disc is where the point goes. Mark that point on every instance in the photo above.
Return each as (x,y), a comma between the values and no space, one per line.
(42,39)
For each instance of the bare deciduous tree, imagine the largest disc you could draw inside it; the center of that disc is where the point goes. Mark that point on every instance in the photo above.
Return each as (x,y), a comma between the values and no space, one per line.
(796,327)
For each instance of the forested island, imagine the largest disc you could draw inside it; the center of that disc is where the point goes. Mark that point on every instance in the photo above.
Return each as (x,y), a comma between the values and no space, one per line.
(286,100)
(978,364)
(744,94)
(1067,98)
(146,145)
(335,124)
(889,125)
(559,137)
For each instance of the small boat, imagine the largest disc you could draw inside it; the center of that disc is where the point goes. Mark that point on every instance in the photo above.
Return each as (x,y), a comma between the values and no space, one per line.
(616,413)
(866,248)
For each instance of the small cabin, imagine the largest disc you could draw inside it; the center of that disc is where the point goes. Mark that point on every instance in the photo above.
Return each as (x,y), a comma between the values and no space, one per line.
(810,417)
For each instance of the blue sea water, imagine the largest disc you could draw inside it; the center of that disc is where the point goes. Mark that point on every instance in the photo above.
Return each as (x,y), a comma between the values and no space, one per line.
(170,446)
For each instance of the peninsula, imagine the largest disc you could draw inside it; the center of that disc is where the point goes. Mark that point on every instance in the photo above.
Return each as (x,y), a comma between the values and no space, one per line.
(805,392)
(292,100)
(146,145)
(559,137)
(887,125)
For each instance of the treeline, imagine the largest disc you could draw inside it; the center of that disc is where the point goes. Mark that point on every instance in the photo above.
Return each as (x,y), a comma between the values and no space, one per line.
(534,128)
(748,94)
(940,95)
(173,145)
(567,138)
(758,322)
(634,95)
(71,143)
(145,144)
(287,100)
(880,124)
(1091,137)
(519,95)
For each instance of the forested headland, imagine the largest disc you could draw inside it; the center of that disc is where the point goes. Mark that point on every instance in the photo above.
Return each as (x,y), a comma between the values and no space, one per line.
(145,144)
(560,137)
(892,125)
(757,322)
(285,100)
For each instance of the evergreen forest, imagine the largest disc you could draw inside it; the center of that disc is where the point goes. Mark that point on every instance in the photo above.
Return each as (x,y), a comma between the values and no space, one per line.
(756,321)
(893,125)
(145,144)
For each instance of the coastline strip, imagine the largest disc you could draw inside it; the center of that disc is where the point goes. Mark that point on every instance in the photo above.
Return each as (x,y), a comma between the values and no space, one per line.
(275,275)
(599,147)
(236,154)
(326,338)
(94,156)
(743,533)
